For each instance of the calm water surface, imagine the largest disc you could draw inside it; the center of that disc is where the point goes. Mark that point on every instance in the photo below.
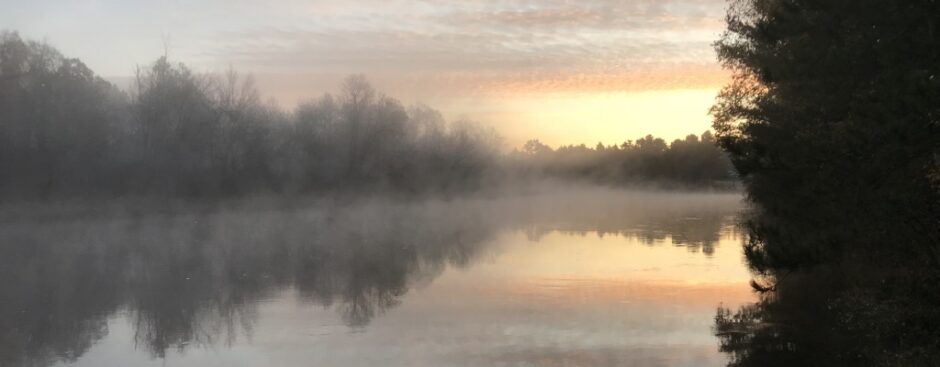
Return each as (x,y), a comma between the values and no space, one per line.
(579,278)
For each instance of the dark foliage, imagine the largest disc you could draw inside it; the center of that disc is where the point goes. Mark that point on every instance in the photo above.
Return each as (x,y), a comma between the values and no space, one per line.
(833,123)
(692,162)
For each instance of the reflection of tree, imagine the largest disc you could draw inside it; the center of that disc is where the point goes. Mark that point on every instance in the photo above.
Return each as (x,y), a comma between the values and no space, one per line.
(819,318)
(191,290)
(365,278)
(696,224)
(45,310)
(194,276)
(697,233)
(792,326)
(195,279)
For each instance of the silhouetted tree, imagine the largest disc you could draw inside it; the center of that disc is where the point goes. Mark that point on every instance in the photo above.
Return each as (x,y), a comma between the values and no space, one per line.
(692,162)
(831,120)
(855,131)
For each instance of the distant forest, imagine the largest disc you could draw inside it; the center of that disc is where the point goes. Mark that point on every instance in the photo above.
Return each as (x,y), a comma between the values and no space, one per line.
(691,162)
(65,131)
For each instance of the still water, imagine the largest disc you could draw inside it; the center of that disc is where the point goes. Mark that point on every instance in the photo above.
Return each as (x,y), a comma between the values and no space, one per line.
(567,278)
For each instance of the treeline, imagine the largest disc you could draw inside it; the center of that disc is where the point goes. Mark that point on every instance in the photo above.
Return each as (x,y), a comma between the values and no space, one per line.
(695,161)
(65,131)
(833,122)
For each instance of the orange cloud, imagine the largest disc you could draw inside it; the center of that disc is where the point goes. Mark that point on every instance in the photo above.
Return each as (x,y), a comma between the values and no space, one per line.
(661,77)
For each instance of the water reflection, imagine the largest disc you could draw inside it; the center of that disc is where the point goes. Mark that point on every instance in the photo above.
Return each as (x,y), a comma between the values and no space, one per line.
(196,275)
(813,319)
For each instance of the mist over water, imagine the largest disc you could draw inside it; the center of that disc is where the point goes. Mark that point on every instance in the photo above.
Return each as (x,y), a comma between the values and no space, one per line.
(186,222)
(574,273)
(245,195)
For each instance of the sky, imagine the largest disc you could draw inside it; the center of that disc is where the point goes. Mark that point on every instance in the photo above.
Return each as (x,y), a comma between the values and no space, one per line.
(563,72)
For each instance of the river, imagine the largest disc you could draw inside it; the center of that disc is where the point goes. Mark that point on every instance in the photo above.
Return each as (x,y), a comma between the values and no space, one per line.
(564,277)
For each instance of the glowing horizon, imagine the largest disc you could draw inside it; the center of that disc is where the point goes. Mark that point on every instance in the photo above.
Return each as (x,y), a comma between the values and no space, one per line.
(561,72)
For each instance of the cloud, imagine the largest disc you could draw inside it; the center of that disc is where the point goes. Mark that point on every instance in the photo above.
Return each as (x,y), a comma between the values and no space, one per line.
(486,44)
(525,45)
(555,67)
(606,15)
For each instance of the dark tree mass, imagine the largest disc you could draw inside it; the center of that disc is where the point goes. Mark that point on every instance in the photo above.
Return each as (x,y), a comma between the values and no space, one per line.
(691,162)
(833,122)
(65,131)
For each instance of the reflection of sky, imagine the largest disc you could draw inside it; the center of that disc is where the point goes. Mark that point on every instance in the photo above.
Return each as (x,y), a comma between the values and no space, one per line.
(562,300)
(497,61)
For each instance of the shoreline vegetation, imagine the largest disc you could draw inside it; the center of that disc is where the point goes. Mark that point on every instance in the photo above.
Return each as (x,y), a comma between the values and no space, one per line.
(65,132)
(831,121)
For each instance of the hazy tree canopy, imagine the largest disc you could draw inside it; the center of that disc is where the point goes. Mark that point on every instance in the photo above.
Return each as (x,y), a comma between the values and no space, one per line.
(694,162)
(832,122)
(65,131)
(55,114)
